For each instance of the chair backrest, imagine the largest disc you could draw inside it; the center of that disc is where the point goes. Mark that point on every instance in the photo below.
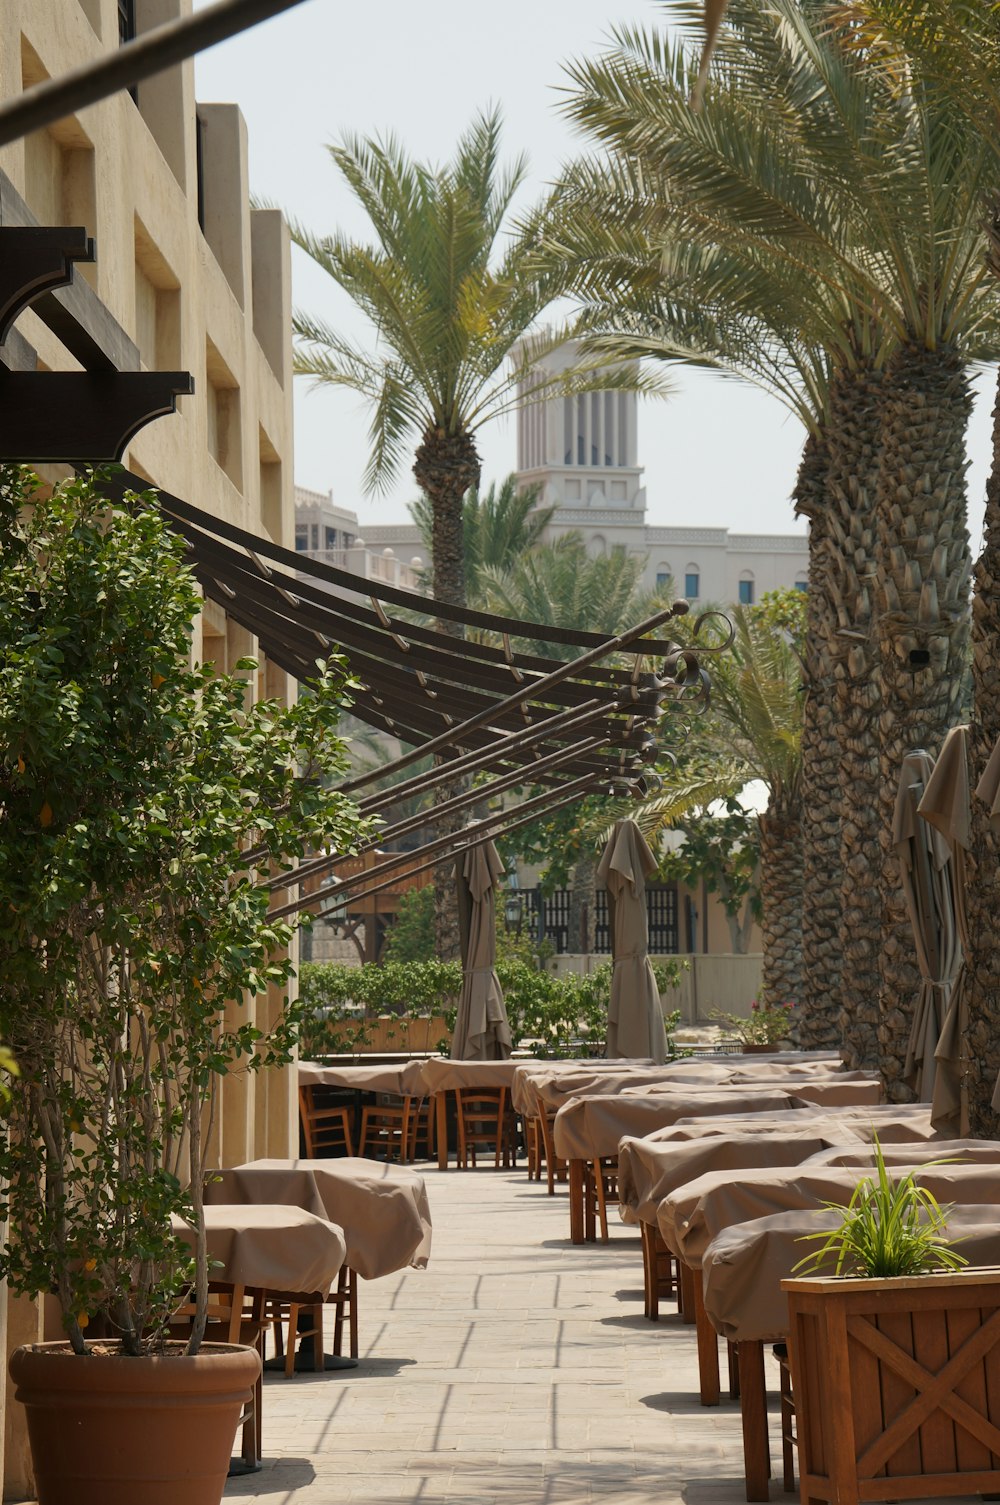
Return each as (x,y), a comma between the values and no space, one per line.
(325,1124)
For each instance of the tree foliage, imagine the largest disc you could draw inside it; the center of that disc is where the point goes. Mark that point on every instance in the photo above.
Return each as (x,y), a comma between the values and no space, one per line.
(142,803)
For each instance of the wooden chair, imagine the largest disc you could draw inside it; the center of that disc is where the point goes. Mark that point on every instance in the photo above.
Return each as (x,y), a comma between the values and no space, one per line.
(602,1184)
(235,1315)
(327,1127)
(555,1168)
(391,1124)
(422,1127)
(534,1146)
(789,1442)
(485,1121)
(660,1269)
(303,1315)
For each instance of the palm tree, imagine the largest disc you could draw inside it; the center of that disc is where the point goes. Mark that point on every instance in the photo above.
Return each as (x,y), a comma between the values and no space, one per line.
(559,584)
(499,526)
(452,301)
(451,298)
(873,194)
(956,48)
(753,733)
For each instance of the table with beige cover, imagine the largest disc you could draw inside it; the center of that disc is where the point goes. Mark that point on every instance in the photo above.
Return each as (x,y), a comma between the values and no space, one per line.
(820,1092)
(691,1217)
(382,1209)
(742,1299)
(441,1076)
(589,1129)
(270,1248)
(403,1079)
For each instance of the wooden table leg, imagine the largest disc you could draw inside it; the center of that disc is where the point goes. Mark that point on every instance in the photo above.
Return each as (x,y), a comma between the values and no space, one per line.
(708,1348)
(650,1272)
(753,1406)
(441,1113)
(577,1193)
(589,1200)
(685,1296)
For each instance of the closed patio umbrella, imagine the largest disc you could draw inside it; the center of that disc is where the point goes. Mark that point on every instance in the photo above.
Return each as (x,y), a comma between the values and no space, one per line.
(944,805)
(481,1029)
(988,789)
(925,873)
(635,1019)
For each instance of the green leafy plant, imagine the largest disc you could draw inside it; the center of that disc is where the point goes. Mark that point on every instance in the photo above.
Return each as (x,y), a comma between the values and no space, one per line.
(766,1024)
(143,805)
(558,1017)
(890,1227)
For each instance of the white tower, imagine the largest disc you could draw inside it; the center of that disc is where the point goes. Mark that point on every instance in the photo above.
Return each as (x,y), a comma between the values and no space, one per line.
(581,451)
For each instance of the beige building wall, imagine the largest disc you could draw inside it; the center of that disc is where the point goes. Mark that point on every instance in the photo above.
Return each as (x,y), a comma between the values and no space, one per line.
(200,282)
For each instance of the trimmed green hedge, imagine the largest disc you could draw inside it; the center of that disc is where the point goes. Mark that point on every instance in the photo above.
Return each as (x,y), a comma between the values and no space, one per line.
(557,1016)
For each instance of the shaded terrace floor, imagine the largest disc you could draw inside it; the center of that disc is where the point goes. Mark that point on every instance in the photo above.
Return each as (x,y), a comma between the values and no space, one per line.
(514,1370)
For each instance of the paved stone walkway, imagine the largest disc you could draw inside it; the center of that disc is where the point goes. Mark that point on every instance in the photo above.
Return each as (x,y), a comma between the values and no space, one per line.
(514,1370)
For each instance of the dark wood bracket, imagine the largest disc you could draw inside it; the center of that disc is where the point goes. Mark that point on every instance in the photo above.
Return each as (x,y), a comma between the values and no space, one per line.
(49,416)
(35,260)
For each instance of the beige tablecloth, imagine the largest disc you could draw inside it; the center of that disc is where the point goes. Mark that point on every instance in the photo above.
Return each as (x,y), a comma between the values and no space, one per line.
(829,1092)
(744,1266)
(650,1169)
(445,1075)
(406,1078)
(270,1248)
(893,1122)
(381,1208)
(587,1128)
(690,1218)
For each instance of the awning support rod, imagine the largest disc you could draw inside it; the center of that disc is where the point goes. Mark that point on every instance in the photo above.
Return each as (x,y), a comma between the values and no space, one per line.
(126,66)
(474,830)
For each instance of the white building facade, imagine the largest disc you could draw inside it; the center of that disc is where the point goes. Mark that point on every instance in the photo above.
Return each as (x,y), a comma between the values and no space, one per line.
(582,454)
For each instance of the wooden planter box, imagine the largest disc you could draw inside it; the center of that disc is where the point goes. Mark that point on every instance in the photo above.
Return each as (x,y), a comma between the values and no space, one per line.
(389,1033)
(897,1386)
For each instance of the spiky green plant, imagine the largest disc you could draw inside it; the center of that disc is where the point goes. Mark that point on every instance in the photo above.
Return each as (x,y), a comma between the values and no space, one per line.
(889,1228)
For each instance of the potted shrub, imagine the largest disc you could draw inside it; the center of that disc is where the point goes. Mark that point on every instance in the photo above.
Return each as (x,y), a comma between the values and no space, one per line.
(894,1355)
(143,802)
(764,1030)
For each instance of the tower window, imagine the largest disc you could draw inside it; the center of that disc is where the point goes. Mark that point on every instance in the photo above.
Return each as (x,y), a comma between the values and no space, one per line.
(126,21)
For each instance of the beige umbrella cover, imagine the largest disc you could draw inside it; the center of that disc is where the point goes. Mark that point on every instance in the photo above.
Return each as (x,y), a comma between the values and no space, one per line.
(924,861)
(481,1029)
(635,1019)
(988,789)
(944,805)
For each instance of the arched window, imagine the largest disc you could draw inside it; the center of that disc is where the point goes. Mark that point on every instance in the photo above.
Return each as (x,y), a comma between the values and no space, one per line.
(692,582)
(746,588)
(802,582)
(664,574)
(597,546)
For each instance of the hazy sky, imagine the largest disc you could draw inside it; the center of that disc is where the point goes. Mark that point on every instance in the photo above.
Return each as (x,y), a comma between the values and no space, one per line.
(719,454)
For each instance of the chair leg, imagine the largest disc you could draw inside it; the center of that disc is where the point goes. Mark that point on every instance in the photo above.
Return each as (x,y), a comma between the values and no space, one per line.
(290,1350)
(787,1419)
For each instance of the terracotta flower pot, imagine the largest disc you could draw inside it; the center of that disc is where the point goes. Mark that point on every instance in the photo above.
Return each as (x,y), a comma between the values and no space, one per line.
(111,1430)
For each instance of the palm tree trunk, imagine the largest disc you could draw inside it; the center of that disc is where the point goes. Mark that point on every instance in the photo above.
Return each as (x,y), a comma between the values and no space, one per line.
(781,897)
(982,976)
(815,1017)
(855,449)
(445,467)
(582,918)
(923,564)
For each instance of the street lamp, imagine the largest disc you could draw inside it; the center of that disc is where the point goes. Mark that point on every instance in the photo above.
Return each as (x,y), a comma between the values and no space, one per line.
(513,911)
